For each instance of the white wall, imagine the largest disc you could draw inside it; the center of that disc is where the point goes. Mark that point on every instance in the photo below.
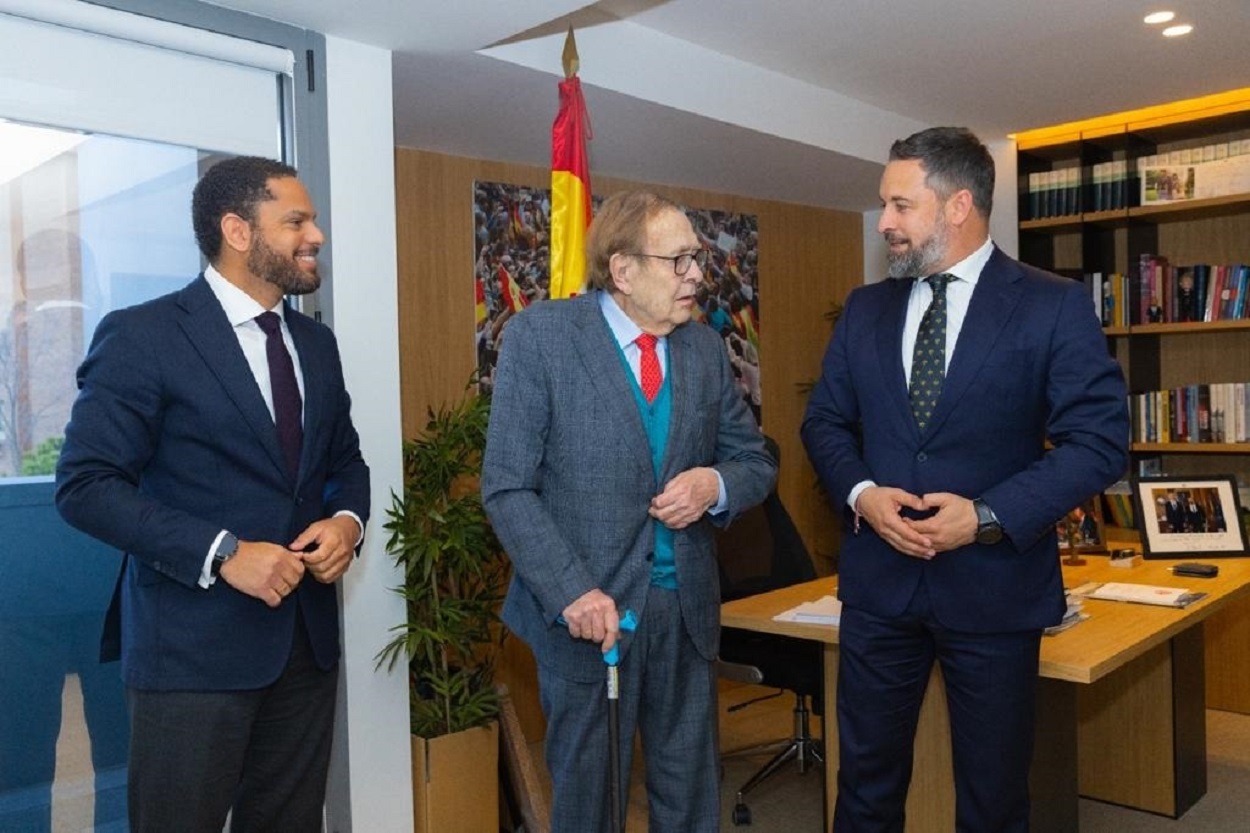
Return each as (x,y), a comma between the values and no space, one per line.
(371,786)
(875,265)
(1006,214)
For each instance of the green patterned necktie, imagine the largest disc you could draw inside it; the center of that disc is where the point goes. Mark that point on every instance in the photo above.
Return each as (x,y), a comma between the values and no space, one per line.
(928,365)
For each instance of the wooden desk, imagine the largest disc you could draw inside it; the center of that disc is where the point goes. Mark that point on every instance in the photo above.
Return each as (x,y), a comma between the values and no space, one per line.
(1120,703)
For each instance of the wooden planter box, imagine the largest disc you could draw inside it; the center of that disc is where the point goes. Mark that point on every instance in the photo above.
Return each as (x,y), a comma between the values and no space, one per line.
(455,782)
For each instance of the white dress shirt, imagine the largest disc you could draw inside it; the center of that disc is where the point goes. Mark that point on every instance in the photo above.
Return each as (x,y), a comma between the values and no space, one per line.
(241,311)
(958,296)
(625,331)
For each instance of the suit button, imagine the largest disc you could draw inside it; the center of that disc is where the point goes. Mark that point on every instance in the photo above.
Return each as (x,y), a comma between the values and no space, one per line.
(651,556)
(921,457)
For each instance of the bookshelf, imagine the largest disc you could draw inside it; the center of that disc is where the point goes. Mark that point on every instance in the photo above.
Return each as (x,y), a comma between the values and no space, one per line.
(1111,239)
(1109,236)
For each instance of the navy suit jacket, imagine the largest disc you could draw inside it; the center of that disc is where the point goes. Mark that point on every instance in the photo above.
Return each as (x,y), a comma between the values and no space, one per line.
(567,477)
(168,443)
(1030,365)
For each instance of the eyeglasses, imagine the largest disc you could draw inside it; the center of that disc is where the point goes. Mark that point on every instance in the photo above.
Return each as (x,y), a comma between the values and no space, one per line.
(681,263)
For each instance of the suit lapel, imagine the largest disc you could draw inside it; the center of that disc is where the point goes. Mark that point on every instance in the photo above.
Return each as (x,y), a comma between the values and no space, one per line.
(597,349)
(210,334)
(995,298)
(316,394)
(683,366)
(889,333)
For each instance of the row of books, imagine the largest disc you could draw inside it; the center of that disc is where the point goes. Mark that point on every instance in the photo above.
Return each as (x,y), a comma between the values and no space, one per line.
(1210,171)
(1197,173)
(1117,504)
(1110,294)
(1214,413)
(1055,193)
(1193,156)
(1202,292)
(1112,187)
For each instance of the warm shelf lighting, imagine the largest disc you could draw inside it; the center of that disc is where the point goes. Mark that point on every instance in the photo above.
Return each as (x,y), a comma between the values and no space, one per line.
(1143,118)
(1177,31)
(1155,18)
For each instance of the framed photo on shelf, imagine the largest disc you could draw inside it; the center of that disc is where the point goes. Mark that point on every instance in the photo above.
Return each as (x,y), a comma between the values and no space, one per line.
(1082,530)
(1181,517)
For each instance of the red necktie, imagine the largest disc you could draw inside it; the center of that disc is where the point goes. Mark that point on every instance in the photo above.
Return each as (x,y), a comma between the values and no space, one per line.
(652,378)
(287,407)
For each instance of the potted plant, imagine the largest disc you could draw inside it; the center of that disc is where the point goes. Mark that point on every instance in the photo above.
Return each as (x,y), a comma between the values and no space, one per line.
(455,572)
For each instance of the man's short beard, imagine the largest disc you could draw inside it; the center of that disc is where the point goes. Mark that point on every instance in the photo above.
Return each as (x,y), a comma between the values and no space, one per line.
(281,271)
(920,261)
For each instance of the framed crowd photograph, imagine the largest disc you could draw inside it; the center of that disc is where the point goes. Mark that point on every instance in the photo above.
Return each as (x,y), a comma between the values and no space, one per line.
(1081,530)
(1185,516)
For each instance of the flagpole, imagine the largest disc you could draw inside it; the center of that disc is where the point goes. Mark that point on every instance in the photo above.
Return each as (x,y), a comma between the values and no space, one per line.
(570,180)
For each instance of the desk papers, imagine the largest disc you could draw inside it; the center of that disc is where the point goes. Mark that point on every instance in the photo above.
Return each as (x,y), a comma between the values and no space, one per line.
(1145,594)
(826,610)
(1072,616)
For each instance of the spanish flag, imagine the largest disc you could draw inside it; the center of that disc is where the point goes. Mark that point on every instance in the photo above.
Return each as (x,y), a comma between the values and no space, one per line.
(512,294)
(570,182)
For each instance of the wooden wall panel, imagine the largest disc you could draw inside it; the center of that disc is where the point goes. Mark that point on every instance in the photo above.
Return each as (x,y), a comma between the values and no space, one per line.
(808,257)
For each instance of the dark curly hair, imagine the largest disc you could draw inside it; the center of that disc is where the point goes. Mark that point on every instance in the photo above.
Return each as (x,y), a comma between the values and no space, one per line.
(233,186)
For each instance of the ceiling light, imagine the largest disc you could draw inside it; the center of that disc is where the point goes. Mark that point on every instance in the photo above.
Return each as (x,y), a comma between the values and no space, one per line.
(1177,31)
(1155,18)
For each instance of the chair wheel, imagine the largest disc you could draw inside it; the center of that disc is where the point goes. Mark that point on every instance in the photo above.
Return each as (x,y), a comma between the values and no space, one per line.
(741,815)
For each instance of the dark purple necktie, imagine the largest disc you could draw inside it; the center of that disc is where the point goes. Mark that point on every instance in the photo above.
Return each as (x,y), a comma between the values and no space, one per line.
(287,405)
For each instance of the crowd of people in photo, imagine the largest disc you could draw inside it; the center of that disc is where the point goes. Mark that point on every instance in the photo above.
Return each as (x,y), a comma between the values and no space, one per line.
(512,234)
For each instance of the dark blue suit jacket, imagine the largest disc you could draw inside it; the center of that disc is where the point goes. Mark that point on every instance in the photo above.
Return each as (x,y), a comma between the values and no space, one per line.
(170,442)
(1030,365)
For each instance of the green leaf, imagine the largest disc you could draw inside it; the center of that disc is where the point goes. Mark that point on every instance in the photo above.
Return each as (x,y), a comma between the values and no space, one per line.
(455,573)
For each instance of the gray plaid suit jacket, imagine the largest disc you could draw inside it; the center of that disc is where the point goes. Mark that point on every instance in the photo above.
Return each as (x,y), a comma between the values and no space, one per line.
(567,477)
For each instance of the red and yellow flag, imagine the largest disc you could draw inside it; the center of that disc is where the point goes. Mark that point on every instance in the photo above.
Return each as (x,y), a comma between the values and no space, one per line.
(570,182)
(512,294)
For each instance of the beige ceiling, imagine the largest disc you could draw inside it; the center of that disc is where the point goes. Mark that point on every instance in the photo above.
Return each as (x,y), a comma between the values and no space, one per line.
(793,99)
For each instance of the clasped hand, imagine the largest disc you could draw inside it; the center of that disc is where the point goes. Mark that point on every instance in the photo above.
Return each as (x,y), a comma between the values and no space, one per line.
(953,525)
(271,572)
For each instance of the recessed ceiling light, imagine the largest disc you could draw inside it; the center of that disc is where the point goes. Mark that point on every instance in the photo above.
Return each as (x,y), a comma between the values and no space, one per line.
(1158,17)
(1177,31)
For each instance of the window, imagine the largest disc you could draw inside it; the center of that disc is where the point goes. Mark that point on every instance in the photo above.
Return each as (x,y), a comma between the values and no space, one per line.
(96,173)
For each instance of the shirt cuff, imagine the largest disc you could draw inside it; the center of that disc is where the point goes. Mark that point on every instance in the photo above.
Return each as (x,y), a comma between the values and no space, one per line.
(853,497)
(360,536)
(722,500)
(207,579)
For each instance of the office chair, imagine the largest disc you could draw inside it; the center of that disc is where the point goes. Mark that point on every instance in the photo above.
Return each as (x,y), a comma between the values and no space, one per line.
(763,551)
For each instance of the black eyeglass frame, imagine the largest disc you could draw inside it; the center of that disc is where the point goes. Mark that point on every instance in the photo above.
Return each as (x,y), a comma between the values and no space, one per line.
(700,257)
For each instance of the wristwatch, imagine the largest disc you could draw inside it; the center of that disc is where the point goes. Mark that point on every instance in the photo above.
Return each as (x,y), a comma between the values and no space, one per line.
(225,551)
(989,530)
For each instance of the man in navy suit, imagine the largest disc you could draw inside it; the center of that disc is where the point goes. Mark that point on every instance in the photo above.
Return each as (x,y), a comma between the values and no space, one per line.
(212,442)
(929,426)
(617,438)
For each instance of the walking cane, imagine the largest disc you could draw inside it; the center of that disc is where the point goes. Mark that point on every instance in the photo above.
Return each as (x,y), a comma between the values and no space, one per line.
(629,622)
(611,658)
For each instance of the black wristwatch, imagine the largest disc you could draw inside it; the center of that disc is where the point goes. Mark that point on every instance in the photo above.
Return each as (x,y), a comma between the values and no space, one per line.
(225,551)
(989,530)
